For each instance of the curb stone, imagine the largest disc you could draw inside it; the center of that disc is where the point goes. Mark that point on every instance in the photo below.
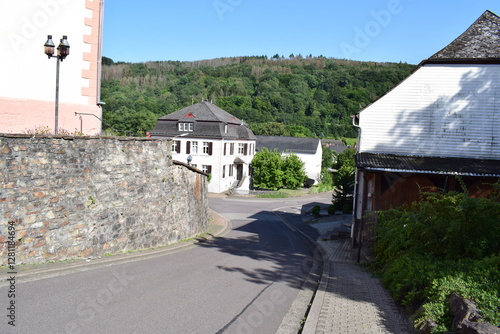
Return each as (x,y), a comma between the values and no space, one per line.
(316,300)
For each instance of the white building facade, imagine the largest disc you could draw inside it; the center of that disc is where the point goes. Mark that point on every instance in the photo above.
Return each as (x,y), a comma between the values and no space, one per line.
(213,141)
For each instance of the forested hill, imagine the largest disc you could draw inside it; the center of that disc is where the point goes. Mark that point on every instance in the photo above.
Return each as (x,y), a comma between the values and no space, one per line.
(296,96)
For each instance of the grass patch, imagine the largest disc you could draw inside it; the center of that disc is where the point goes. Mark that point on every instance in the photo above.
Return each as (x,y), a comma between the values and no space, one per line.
(320,188)
(294,192)
(273,195)
(349,141)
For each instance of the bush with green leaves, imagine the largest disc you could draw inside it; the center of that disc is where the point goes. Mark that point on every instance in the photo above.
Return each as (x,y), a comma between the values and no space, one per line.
(273,171)
(445,243)
(343,180)
(267,170)
(294,175)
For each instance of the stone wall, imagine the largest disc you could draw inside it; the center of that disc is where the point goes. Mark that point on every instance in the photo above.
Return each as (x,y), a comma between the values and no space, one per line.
(71,197)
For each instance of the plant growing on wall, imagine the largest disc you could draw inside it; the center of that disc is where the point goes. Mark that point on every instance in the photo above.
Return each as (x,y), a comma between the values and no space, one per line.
(45,130)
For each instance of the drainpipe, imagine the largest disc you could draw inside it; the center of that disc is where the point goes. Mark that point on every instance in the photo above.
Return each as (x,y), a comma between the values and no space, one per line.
(99,61)
(356,193)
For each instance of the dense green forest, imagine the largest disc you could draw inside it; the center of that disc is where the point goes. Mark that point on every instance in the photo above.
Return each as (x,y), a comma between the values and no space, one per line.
(295,96)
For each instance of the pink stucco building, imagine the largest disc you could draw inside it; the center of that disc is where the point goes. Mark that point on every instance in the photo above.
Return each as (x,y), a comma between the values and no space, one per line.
(28,77)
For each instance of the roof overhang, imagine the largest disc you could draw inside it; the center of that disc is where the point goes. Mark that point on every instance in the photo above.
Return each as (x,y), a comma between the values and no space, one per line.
(239,161)
(379,162)
(468,61)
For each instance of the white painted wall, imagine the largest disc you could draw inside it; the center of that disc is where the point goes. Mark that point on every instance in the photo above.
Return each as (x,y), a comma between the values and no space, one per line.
(312,163)
(218,184)
(440,110)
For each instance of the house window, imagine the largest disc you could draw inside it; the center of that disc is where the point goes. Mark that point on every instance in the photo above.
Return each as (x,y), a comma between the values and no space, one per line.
(231,149)
(207,148)
(223,171)
(176,146)
(186,127)
(242,149)
(230,170)
(225,148)
(194,165)
(194,147)
(206,169)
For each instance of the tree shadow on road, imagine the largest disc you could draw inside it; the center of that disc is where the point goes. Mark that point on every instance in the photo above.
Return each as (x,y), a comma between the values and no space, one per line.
(282,254)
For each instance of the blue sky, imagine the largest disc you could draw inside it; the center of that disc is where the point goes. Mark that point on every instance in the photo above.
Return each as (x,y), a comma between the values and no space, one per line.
(367,30)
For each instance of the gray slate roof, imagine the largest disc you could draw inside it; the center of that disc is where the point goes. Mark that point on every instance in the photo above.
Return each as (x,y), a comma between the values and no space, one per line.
(334,145)
(480,41)
(288,144)
(209,121)
(428,165)
(203,111)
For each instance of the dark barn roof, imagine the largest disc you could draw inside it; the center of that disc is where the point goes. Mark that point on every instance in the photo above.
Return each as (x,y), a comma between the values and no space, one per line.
(428,165)
(209,121)
(288,144)
(480,41)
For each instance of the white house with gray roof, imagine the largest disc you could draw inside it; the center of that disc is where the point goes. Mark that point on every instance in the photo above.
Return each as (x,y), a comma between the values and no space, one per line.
(216,142)
(309,150)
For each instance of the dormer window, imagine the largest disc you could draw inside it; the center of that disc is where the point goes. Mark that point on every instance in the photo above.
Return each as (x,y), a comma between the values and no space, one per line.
(186,127)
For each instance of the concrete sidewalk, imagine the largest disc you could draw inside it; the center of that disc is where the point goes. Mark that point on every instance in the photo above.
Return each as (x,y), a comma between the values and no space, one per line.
(349,300)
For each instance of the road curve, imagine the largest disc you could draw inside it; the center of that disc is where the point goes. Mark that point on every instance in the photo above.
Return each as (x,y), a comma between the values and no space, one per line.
(244,282)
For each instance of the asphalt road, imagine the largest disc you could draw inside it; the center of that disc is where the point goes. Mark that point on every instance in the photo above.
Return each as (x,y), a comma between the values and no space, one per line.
(244,282)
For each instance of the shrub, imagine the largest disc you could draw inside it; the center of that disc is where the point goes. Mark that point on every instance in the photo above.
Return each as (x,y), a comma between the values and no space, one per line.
(273,171)
(475,280)
(293,172)
(451,225)
(267,170)
(343,181)
(316,210)
(445,243)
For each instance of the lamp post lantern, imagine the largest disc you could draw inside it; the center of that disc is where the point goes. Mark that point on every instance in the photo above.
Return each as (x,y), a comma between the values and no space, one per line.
(62,53)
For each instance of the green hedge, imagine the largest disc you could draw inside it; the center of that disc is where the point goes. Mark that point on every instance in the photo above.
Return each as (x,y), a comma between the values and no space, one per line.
(445,243)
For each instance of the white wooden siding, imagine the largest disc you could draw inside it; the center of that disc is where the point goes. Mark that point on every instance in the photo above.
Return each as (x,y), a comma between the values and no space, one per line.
(440,110)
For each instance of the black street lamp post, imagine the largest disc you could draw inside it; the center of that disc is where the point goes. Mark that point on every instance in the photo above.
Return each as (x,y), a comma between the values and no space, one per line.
(62,53)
